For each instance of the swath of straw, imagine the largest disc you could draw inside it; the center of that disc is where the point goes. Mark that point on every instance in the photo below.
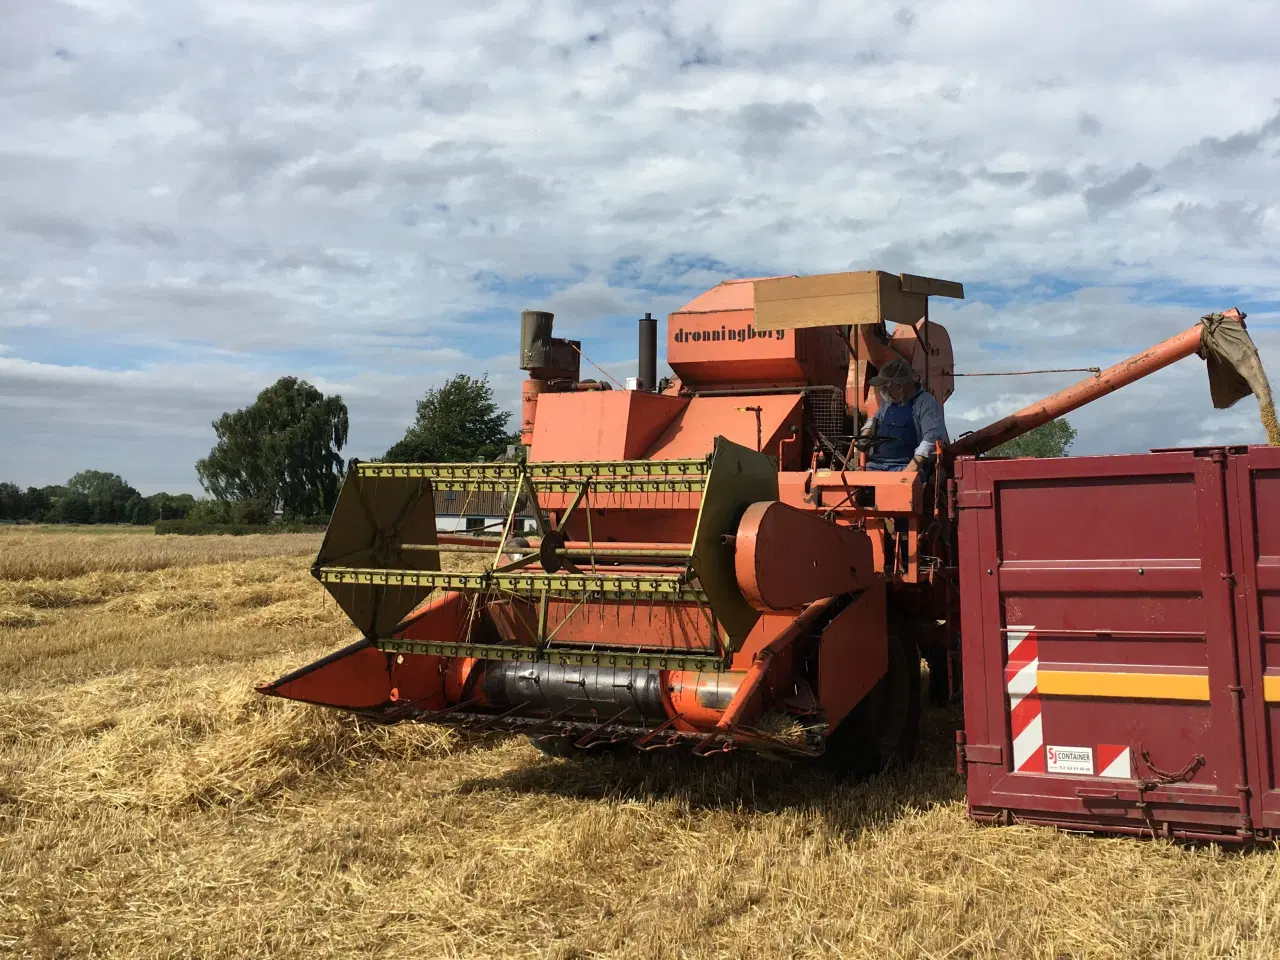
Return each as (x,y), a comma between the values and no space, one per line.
(155,807)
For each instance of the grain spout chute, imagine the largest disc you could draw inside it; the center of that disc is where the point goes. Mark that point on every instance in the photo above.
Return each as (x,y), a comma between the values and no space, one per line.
(1233,364)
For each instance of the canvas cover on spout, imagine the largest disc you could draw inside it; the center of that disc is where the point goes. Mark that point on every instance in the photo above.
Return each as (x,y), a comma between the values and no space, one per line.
(1235,368)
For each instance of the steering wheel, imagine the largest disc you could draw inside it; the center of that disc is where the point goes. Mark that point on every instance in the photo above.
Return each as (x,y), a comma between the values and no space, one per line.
(866,444)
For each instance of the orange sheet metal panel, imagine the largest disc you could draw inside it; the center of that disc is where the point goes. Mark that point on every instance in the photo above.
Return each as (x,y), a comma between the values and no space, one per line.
(785,558)
(698,700)
(630,517)
(853,654)
(361,677)
(727,348)
(894,491)
(600,425)
(681,627)
(714,340)
(693,432)
(444,616)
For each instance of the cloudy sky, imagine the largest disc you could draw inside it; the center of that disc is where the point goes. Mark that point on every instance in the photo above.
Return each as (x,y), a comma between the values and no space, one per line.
(196,198)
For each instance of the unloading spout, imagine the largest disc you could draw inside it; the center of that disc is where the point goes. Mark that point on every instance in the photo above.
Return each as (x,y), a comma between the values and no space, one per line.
(1234,367)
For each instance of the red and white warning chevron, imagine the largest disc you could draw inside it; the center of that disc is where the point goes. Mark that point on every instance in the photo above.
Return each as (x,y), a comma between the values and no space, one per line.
(1024,699)
(1113,761)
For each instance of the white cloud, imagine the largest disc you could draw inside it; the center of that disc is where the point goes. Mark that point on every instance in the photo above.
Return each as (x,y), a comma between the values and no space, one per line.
(209,194)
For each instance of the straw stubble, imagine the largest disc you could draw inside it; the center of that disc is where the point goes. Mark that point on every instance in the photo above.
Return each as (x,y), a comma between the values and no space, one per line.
(152,806)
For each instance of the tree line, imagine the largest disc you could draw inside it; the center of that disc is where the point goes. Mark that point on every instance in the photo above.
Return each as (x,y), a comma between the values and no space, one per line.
(279,458)
(91,496)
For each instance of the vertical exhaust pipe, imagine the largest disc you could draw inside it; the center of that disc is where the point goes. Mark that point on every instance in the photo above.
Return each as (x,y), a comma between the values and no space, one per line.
(648,353)
(535,339)
(552,364)
(535,356)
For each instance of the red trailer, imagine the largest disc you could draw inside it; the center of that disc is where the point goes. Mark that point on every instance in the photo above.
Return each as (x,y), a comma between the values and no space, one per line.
(1121,639)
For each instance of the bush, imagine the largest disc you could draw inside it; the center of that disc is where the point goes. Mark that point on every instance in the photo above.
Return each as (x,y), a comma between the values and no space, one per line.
(238,512)
(139,511)
(74,508)
(196,528)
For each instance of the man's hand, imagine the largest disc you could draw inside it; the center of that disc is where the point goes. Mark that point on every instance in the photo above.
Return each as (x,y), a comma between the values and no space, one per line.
(914,466)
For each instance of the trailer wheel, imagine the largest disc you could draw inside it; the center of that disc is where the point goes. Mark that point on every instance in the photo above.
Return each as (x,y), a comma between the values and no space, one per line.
(881,731)
(939,679)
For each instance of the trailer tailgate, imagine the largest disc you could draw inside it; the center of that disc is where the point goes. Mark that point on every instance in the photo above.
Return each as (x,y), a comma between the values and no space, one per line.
(1121,632)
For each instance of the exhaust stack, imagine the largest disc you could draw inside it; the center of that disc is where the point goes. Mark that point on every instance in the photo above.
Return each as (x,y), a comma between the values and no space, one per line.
(648,353)
(535,339)
(548,360)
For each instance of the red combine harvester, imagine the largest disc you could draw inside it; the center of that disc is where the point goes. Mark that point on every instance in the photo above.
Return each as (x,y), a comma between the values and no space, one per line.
(713,568)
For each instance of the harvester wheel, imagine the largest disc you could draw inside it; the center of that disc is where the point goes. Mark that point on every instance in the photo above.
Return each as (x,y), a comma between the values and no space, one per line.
(563,748)
(881,731)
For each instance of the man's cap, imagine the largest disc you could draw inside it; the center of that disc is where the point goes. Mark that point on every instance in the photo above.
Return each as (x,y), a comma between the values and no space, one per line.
(895,371)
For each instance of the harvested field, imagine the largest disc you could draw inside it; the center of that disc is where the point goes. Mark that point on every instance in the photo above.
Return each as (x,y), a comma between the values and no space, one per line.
(152,806)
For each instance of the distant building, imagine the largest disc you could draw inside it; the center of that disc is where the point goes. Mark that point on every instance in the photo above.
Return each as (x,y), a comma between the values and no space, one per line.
(479,512)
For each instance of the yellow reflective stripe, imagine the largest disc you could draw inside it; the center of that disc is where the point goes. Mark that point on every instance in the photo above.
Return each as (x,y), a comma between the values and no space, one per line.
(1270,688)
(1139,686)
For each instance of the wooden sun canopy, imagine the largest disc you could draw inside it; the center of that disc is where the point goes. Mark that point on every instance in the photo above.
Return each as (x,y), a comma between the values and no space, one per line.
(835,299)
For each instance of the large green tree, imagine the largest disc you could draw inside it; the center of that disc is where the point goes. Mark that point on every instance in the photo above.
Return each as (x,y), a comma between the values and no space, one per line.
(107,496)
(37,502)
(75,508)
(456,423)
(139,511)
(1052,439)
(283,449)
(10,501)
(170,507)
(100,485)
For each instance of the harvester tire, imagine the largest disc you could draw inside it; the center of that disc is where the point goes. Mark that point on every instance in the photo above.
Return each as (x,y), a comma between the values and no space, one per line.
(562,747)
(881,731)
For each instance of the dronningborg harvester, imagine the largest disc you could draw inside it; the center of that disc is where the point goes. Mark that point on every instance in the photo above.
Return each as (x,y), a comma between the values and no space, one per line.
(711,568)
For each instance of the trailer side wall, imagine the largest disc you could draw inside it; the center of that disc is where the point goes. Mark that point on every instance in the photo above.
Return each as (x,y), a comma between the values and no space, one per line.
(1121,635)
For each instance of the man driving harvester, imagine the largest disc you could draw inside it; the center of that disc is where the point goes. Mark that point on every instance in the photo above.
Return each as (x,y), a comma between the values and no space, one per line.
(908,424)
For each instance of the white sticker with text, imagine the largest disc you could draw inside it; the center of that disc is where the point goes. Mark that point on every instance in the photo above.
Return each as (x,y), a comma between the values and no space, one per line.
(1070,760)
